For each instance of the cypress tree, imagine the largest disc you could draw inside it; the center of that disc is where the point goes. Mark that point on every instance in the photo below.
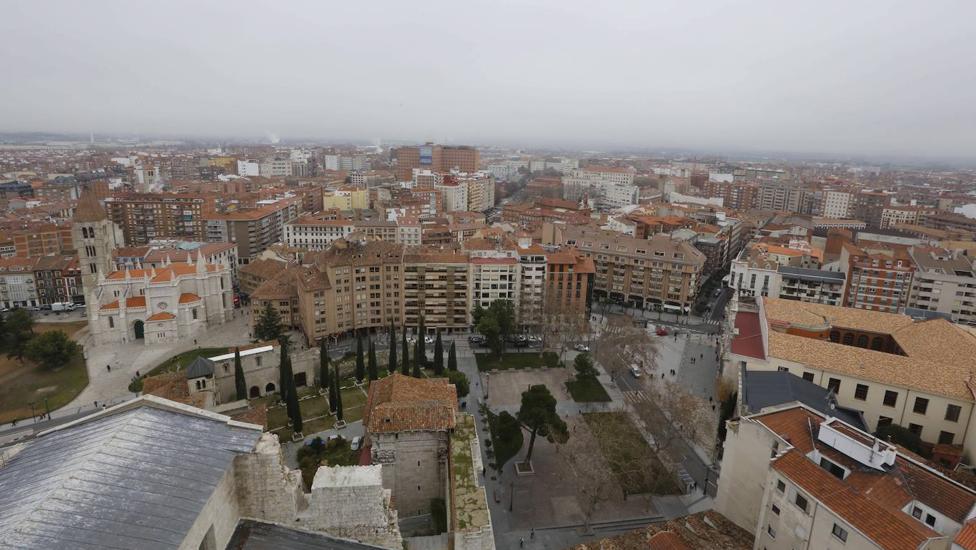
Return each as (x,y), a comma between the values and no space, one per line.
(416,358)
(333,390)
(405,360)
(452,359)
(239,382)
(293,408)
(284,372)
(372,369)
(324,371)
(421,343)
(438,355)
(392,367)
(338,392)
(360,361)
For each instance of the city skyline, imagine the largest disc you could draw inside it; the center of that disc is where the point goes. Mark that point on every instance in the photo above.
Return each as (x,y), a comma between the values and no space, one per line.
(840,80)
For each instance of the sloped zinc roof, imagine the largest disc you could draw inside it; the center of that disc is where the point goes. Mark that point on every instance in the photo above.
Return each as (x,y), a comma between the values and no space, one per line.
(131,479)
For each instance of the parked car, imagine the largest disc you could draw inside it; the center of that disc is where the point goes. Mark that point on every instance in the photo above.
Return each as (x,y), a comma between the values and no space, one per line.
(635,370)
(661,331)
(582,348)
(428,339)
(356,442)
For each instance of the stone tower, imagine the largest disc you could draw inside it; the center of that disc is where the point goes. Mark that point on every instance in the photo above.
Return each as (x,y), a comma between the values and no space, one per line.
(95,237)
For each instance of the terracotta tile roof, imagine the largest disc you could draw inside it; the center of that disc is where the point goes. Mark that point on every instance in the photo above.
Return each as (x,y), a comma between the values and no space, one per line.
(888,529)
(189,298)
(702,531)
(133,302)
(263,269)
(966,539)
(400,403)
(163,274)
(89,209)
(172,386)
(161,316)
(807,314)
(667,540)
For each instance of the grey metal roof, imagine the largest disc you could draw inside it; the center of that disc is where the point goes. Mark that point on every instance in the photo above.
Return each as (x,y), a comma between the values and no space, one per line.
(199,367)
(256,535)
(918,313)
(815,275)
(761,389)
(130,479)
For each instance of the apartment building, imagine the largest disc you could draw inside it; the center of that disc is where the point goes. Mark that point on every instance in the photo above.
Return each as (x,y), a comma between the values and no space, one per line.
(948,221)
(784,197)
(944,281)
(17,288)
(879,280)
(41,240)
(346,198)
(57,278)
(837,204)
(254,230)
(455,194)
(438,286)
(659,272)
(607,186)
(316,231)
(437,158)
(897,215)
(481,191)
(545,210)
(147,217)
(891,368)
(739,196)
(568,286)
(811,285)
(275,168)
(799,479)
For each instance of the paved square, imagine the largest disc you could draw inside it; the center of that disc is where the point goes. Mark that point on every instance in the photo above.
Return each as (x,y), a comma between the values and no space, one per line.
(505,387)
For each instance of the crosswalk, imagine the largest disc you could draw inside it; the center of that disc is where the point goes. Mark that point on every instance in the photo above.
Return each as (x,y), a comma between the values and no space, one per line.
(635,396)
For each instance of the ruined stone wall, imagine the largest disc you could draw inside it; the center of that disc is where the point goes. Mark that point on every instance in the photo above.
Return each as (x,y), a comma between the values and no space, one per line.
(414,468)
(266,488)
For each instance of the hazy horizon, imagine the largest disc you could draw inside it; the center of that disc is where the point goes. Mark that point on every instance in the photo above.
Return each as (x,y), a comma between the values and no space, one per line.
(870,78)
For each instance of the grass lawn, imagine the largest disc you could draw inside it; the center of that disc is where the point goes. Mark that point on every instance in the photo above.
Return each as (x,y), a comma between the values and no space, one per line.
(24,383)
(337,453)
(587,390)
(177,362)
(529,360)
(353,404)
(633,462)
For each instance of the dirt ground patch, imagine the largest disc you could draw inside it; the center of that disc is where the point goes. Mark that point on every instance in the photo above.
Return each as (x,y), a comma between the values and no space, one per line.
(505,387)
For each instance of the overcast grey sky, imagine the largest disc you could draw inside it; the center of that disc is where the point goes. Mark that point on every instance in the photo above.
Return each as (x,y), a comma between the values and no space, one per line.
(814,76)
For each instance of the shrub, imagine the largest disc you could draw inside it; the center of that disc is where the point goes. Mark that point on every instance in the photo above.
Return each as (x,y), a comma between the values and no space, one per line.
(135,386)
(551,359)
(460,381)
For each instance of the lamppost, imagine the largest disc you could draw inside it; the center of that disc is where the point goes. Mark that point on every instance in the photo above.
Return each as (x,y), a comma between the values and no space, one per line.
(511,499)
(33,417)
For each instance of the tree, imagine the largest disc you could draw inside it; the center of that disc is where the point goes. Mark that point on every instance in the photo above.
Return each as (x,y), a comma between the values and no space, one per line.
(584,367)
(538,415)
(671,412)
(392,366)
(51,349)
(421,344)
(438,355)
(324,371)
(488,327)
(504,313)
(334,391)
(292,407)
(338,395)
(460,382)
(268,326)
(284,373)
(405,360)
(372,369)
(360,361)
(476,314)
(19,331)
(452,359)
(592,477)
(416,358)
(621,345)
(239,383)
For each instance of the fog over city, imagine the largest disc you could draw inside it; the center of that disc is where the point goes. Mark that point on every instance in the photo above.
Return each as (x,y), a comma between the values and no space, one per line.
(888,78)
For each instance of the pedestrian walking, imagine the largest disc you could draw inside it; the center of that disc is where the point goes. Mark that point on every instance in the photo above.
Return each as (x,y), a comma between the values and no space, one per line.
(532,534)
(521,542)
(108,368)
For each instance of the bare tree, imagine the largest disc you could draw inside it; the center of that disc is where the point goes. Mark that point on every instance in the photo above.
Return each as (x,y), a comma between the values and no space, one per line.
(621,344)
(562,325)
(671,412)
(591,475)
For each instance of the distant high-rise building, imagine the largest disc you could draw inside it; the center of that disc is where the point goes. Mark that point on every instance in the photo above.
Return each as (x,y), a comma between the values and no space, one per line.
(436,158)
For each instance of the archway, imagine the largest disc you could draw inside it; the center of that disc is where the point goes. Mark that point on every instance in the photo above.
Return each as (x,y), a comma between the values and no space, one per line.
(301,380)
(270,388)
(255,392)
(140,330)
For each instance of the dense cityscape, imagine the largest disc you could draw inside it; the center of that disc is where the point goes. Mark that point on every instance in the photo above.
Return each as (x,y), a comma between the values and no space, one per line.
(546,332)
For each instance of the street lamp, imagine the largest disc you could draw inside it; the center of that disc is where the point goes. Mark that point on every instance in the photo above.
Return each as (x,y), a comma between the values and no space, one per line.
(33,416)
(511,500)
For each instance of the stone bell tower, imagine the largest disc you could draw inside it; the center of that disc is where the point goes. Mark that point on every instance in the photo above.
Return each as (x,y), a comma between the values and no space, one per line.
(95,238)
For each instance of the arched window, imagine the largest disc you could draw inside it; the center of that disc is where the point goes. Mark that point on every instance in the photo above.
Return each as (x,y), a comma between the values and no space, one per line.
(877,344)
(848,339)
(862,341)
(270,388)
(835,336)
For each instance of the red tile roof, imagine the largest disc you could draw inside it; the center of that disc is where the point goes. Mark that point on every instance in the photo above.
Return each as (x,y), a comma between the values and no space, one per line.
(188,298)
(161,316)
(748,341)
(401,403)
(966,538)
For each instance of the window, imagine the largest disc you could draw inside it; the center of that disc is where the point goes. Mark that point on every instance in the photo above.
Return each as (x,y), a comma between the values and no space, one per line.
(861,392)
(916,512)
(834,385)
(915,429)
(770,531)
(930,520)
(780,486)
(884,421)
(921,405)
(257,361)
(194,310)
(952,413)
(946,438)
(839,532)
(834,469)
(775,509)
(890,398)
(782,369)
(801,502)
(808,376)
(111,322)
